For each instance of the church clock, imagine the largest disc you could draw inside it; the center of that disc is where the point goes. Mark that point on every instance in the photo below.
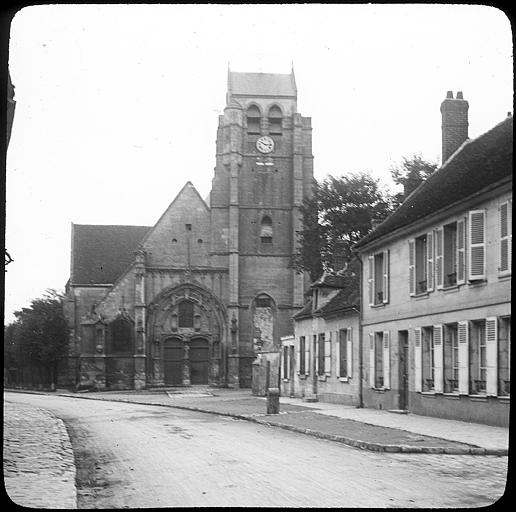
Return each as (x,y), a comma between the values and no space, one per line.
(265,144)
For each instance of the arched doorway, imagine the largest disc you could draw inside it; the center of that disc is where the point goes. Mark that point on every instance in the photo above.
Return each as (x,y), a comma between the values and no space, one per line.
(199,361)
(173,355)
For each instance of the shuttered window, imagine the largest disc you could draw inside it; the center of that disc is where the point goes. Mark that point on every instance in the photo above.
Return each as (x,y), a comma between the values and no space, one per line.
(378,278)
(461,251)
(371,360)
(505,228)
(386,356)
(301,356)
(412,267)
(320,354)
(429,262)
(477,245)
(327,353)
(491,356)
(451,359)
(417,359)
(342,363)
(438,358)
(463,334)
(439,262)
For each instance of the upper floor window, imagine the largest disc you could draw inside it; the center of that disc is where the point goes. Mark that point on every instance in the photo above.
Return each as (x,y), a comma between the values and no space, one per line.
(378,281)
(505,232)
(477,245)
(275,121)
(253,120)
(266,230)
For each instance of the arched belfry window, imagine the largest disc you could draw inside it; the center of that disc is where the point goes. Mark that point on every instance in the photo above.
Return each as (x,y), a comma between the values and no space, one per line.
(275,121)
(253,120)
(266,230)
(186,314)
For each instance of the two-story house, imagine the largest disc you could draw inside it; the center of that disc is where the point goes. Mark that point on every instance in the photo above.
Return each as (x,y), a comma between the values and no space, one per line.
(436,287)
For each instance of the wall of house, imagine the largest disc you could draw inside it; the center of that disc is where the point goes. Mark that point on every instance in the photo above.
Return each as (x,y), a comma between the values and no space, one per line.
(472,301)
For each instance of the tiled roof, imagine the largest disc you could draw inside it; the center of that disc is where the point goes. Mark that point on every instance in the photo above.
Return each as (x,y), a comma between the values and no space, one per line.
(479,163)
(261,84)
(345,299)
(329,281)
(306,312)
(100,254)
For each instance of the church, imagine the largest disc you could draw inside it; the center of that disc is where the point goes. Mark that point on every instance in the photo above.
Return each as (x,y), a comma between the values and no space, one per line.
(193,299)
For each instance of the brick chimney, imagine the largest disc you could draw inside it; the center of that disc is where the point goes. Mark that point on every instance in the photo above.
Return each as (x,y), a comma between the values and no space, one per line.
(454,123)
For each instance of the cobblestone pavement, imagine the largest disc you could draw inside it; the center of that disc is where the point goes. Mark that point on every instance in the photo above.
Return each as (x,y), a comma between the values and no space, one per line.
(39,469)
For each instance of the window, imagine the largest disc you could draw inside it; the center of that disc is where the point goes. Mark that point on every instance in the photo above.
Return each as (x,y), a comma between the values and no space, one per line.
(188,227)
(343,353)
(303,356)
(186,314)
(263,301)
(477,245)
(504,356)
(505,232)
(121,331)
(320,354)
(451,358)
(378,280)
(428,363)
(266,230)
(450,254)
(286,368)
(275,121)
(478,358)
(253,120)
(378,360)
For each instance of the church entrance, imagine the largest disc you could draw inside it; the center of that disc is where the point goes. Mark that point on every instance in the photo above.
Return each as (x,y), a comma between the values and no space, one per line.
(199,361)
(173,355)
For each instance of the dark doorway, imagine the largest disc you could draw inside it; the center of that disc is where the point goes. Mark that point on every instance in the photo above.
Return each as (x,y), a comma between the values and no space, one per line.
(403,369)
(173,354)
(199,361)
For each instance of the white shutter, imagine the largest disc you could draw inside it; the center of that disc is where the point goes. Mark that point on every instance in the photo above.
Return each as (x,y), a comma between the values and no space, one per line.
(337,354)
(298,356)
(385,276)
(429,262)
(439,263)
(370,280)
(412,266)
(386,359)
(316,338)
(461,251)
(477,245)
(327,353)
(308,363)
(371,360)
(492,356)
(463,335)
(417,359)
(438,358)
(505,221)
(349,348)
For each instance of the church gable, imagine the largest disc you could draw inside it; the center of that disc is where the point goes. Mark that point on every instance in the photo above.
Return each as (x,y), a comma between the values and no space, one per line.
(181,237)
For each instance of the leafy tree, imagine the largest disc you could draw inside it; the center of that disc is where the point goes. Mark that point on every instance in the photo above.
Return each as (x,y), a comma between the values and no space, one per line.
(39,336)
(410,173)
(340,212)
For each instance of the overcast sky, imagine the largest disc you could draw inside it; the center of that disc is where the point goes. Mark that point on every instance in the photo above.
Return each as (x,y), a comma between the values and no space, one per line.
(117,106)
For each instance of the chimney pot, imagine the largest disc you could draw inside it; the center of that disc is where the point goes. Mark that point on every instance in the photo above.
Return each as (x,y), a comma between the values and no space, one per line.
(459,95)
(509,114)
(449,94)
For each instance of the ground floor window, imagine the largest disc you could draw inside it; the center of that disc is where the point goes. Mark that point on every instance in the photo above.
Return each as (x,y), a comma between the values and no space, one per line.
(302,351)
(320,354)
(378,363)
(428,361)
(504,356)
(477,358)
(451,358)
(343,353)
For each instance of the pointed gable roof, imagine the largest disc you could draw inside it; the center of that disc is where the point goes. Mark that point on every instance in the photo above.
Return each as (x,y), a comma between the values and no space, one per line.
(261,84)
(100,254)
(478,164)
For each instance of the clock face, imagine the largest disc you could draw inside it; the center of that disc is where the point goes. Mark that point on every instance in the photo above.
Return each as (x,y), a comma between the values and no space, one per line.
(265,144)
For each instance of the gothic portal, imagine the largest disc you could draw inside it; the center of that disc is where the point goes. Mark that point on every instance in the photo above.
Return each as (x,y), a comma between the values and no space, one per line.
(191,299)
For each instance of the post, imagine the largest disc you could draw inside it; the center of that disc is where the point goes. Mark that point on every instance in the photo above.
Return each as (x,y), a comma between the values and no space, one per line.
(273,400)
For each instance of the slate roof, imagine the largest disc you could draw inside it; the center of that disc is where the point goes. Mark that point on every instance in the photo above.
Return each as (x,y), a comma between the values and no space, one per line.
(476,165)
(329,281)
(100,254)
(262,84)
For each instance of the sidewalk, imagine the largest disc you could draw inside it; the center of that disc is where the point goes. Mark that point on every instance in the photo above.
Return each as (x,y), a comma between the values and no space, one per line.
(39,467)
(368,429)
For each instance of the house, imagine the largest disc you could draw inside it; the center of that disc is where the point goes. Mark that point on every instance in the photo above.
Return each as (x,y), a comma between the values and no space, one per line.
(436,308)
(321,360)
(192,299)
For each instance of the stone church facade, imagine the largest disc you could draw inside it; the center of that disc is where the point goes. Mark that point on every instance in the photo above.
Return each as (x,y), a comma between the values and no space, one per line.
(192,299)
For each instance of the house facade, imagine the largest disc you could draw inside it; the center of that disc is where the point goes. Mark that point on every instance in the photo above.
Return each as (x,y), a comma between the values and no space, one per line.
(191,299)
(436,287)
(320,361)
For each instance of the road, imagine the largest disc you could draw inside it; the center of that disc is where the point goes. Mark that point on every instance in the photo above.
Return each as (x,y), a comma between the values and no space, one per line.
(132,456)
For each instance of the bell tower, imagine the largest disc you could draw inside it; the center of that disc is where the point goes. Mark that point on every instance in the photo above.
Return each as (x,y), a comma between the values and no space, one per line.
(264,169)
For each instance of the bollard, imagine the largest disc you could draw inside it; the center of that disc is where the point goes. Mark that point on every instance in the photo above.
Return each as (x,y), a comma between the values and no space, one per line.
(273,395)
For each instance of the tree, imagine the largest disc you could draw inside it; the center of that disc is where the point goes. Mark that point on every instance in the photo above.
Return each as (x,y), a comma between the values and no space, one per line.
(410,173)
(39,337)
(340,212)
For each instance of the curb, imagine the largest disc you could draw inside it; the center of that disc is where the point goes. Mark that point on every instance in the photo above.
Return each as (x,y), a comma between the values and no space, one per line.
(355,443)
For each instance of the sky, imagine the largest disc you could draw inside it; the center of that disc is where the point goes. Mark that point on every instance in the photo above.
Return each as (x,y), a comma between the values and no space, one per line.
(117,105)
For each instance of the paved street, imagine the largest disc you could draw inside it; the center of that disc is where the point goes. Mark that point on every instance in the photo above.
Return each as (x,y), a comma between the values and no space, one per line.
(134,455)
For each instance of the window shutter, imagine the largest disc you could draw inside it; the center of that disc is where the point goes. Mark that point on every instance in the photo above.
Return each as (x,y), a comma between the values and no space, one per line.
(412,266)
(337,354)
(349,347)
(386,359)
(307,356)
(505,220)
(370,280)
(417,359)
(386,264)
(429,262)
(492,355)
(439,264)
(463,335)
(461,251)
(477,245)
(371,360)
(316,357)
(327,353)
(298,356)
(438,358)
